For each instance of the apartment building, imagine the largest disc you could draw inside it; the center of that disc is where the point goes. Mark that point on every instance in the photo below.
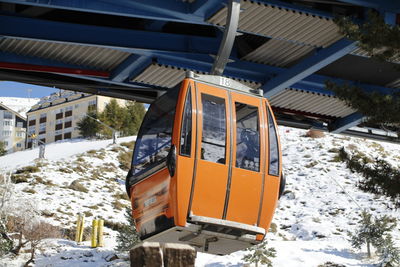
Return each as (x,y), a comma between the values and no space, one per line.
(55,117)
(12,129)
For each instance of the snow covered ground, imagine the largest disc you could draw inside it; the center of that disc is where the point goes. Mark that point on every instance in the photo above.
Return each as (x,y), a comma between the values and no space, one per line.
(321,201)
(19,104)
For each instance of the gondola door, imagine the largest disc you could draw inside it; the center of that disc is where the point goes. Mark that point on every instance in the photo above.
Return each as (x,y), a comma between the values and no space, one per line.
(212,152)
(246,182)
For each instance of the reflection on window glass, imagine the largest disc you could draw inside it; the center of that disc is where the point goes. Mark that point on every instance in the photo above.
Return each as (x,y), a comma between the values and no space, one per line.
(273,146)
(154,138)
(214,129)
(247,137)
(186,134)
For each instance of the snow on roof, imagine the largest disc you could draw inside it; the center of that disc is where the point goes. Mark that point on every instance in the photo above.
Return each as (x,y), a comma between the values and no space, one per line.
(19,104)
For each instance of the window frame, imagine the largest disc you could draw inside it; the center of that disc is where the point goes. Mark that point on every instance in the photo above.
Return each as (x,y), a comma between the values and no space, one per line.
(188,93)
(258,132)
(270,121)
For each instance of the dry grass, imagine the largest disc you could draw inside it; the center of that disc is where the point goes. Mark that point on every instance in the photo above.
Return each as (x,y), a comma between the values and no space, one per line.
(75,185)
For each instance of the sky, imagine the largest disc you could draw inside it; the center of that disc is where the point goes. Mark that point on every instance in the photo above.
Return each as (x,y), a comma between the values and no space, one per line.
(14,89)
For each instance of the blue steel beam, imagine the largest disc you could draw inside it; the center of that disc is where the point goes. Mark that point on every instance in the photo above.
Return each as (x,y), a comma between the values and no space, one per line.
(130,67)
(347,122)
(148,9)
(120,39)
(206,8)
(238,69)
(389,5)
(308,66)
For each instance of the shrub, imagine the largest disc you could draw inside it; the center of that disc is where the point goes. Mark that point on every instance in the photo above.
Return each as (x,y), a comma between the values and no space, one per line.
(118,205)
(121,195)
(65,170)
(125,158)
(75,185)
(260,254)
(27,169)
(20,178)
(29,190)
(128,145)
(127,236)
(380,178)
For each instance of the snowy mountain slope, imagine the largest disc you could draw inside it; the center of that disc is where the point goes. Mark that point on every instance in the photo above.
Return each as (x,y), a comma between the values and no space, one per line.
(19,104)
(55,151)
(309,228)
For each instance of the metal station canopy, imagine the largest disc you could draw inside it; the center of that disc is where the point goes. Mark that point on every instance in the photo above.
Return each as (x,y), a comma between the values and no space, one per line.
(138,49)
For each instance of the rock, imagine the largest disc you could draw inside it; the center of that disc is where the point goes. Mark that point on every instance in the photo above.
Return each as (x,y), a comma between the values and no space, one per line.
(149,254)
(111,257)
(178,255)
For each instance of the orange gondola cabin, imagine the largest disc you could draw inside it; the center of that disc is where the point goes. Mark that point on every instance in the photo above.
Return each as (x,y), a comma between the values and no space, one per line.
(206,168)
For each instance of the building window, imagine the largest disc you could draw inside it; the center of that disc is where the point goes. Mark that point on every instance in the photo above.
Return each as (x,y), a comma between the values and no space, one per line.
(32,122)
(92,105)
(6,133)
(20,124)
(42,128)
(68,124)
(7,123)
(19,145)
(58,137)
(68,113)
(43,118)
(59,126)
(20,134)
(67,135)
(7,115)
(59,116)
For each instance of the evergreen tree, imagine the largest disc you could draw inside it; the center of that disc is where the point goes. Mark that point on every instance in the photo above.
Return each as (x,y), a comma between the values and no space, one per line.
(113,115)
(3,150)
(88,126)
(380,109)
(127,236)
(390,255)
(379,39)
(372,232)
(260,254)
(134,115)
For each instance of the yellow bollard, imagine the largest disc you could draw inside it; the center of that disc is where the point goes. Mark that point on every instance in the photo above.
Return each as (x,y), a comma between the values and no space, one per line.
(94,233)
(78,227)
(100,240)
(81,228)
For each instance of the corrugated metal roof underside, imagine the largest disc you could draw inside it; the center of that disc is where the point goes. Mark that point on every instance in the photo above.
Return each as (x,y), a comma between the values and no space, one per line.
(281,23)
(278,53)
(304,101)
(170,76)
(99,58)
(360,52)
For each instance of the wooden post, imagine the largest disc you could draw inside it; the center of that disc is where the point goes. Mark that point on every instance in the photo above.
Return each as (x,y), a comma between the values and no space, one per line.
(167,255)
